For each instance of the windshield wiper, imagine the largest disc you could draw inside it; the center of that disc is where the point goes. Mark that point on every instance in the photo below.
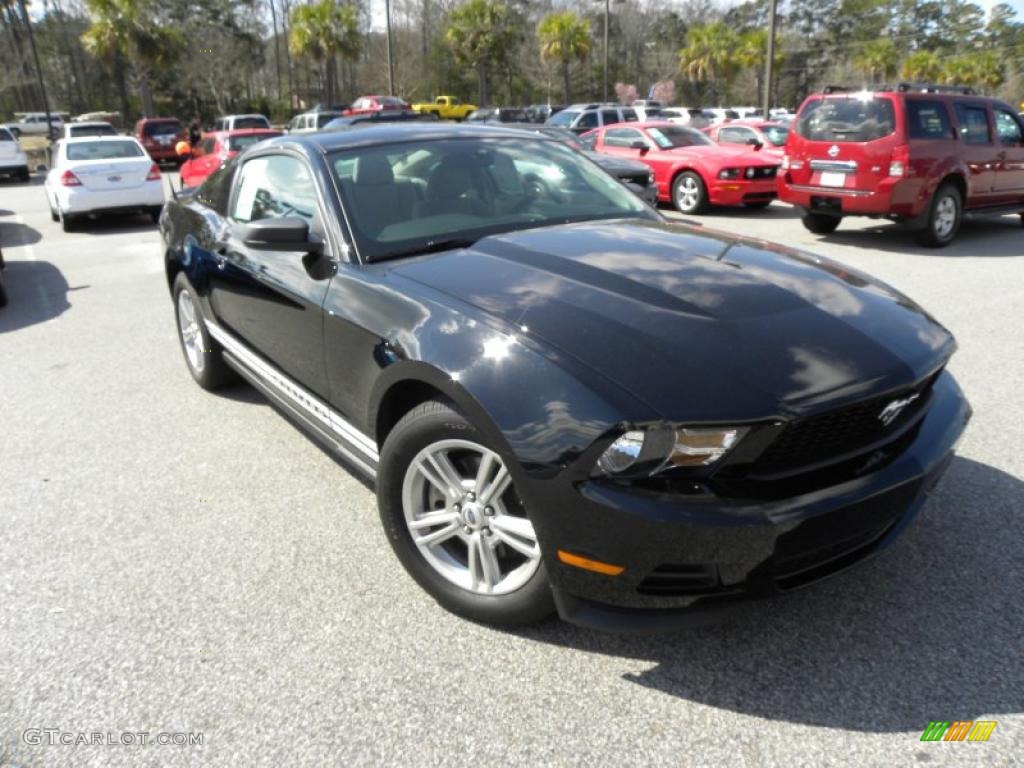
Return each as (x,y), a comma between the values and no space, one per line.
(431,246)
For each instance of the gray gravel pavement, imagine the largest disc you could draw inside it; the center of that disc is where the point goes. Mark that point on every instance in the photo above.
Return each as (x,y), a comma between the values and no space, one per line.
(176,561)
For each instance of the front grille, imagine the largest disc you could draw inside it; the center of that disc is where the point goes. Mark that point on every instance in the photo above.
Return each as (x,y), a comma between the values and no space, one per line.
(814,440)
(825,544)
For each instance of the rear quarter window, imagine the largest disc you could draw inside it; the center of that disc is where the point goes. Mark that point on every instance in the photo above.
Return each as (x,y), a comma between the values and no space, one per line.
(928,119)
(973,120)
(850,118)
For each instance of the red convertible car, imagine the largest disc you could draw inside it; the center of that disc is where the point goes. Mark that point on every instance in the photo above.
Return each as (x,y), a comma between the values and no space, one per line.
(690,170)
(217,148)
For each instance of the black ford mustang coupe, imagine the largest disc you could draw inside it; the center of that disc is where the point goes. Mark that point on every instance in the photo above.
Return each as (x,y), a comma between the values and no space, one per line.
(566,402)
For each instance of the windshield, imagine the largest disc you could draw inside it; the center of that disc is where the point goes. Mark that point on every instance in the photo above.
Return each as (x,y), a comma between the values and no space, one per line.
(672,136)
(776,134)
(391,101)
(238,143)
(92,130)
(162,128)
(256,121)
(565,117)
(104,150)
(5,135)
(410,198)
(851,118)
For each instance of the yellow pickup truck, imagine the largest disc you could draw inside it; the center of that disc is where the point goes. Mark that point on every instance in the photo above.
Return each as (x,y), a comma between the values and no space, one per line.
(446,107)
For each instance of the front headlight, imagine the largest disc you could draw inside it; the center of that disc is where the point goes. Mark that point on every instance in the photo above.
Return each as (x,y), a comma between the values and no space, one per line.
(647,452)
(729,173)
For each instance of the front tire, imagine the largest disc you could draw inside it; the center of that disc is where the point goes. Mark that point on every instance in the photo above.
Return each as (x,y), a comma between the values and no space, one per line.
(203,355)
(452,516)
(689,194)
(820,223)
(945,212)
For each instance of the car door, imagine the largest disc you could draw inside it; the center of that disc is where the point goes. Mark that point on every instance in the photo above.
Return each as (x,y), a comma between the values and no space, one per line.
(270,299)
(978,150)
(620,142)
(1009,179)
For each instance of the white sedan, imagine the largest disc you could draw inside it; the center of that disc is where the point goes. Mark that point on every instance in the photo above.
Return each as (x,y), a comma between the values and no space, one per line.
(102,174)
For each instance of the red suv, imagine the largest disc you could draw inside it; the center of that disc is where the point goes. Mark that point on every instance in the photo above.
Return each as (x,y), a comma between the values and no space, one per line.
(159,135)
(920,154)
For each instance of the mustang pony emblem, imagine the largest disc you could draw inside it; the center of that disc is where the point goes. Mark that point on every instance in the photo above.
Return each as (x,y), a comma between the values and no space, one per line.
(894,409)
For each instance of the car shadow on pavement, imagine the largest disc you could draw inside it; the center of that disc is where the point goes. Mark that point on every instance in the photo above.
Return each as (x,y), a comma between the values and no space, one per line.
(929,630)
(36,292)
(112,224)
(995,236)
(14,233)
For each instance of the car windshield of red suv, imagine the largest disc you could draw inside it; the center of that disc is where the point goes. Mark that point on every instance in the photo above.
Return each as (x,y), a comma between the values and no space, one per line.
(673,136)
(855,118)
(162,128)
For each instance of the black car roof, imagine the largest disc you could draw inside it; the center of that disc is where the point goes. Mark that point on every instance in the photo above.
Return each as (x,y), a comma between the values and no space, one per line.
(393,133)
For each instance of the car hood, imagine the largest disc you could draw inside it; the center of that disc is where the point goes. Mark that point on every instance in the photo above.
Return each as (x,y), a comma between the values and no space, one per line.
(694,322)
(740,155)
(619,165)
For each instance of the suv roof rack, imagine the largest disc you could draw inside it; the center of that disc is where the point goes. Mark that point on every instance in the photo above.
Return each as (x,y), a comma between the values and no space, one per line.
(964,90)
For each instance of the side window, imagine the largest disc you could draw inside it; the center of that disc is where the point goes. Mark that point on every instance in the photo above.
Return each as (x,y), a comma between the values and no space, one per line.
(734,135)
(273,186)
(973,124)
(621,137)
(216,190)
(587,120)
(629,115)
(1008,128)
(609,116)
(928,120)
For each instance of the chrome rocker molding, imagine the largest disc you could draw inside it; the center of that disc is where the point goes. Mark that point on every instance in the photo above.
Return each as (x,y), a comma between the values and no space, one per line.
(356,447)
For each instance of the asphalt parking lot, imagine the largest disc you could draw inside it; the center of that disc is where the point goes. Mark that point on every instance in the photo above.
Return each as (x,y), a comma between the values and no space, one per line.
(176,561)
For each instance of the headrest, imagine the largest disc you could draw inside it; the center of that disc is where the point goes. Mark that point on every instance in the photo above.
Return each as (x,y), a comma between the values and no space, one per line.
(373,169)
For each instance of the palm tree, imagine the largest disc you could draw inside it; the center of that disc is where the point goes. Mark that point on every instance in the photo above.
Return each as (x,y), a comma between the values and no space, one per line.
(877,60)
(564,37)
(481,33)
(711,56)
(324,31)
(126,29)
(921,66)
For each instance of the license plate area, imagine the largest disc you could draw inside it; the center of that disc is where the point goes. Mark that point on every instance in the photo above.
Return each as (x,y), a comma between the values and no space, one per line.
(832,179)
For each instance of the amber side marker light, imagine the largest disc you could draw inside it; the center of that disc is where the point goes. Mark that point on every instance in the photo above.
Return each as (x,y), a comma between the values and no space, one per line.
(589,565)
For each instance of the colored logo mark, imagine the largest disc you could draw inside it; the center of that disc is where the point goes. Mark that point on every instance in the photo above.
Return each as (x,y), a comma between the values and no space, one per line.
(958,730)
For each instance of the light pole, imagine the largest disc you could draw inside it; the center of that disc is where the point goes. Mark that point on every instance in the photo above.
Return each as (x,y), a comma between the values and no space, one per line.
(770,60)
(391,63)
(607,15)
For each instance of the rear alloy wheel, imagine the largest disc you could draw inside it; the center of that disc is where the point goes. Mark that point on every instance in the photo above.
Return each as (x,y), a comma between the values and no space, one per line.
(820,223)
(944,215)
(689,193)
(455,521)
(202,354)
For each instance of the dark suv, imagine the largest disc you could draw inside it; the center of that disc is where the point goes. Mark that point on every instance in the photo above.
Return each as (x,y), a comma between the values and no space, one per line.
(920,154)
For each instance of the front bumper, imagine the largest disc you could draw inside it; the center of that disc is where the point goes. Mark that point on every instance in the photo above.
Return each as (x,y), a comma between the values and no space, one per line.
(687,558)
(741,191)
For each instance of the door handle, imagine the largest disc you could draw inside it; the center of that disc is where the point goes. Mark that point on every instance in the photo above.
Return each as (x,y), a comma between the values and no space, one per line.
(220,252)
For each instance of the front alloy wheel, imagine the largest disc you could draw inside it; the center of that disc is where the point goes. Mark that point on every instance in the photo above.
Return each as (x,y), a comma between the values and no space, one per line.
(452,515)
(689,193)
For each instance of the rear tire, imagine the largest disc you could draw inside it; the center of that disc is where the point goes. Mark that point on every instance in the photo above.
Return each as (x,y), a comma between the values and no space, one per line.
(203,355)
(820,223)
(468,566)
(945,212)
(68,222)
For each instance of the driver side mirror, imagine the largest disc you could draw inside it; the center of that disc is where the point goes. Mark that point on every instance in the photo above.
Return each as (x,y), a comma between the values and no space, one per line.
(755,143)
(287,233)
(641,145)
